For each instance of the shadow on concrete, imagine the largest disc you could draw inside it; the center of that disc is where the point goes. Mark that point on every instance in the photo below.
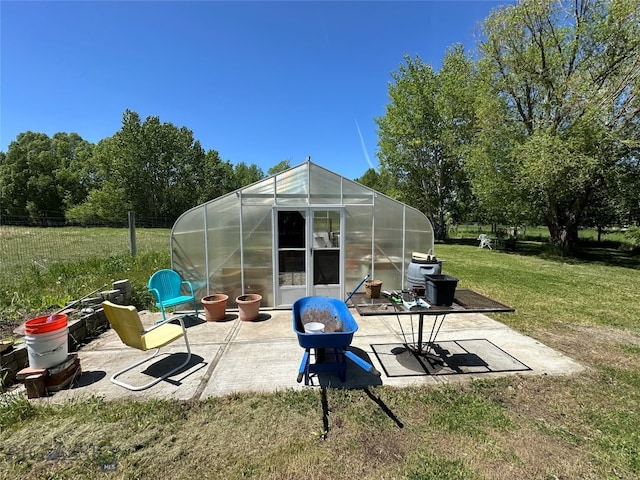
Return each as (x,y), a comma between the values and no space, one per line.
(89,378)
(170,361)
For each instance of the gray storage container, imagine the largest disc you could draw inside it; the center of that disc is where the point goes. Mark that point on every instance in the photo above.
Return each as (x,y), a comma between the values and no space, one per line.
(418,269)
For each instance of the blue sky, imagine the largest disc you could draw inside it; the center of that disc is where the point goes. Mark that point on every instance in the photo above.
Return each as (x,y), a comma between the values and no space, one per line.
(260,82)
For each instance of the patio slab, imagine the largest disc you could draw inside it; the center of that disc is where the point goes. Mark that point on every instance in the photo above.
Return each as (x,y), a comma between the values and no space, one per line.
(233,356)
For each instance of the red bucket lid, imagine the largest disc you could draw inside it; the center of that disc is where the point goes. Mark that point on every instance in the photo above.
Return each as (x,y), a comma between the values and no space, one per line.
(45,324)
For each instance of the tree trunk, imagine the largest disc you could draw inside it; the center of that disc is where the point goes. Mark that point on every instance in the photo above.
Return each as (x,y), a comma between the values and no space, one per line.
(564,237)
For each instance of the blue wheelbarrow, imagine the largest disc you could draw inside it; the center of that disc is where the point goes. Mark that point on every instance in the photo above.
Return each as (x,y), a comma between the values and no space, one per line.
(331,345)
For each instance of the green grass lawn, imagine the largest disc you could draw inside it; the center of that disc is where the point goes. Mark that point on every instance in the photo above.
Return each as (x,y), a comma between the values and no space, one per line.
(534,427)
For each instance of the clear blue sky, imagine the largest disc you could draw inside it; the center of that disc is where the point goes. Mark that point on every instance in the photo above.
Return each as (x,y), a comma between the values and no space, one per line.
(260,82)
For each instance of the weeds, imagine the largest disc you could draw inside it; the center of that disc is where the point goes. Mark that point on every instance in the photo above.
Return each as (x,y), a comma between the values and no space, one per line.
(14,409)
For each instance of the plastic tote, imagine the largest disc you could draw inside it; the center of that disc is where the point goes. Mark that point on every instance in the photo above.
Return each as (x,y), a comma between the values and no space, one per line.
(47,340)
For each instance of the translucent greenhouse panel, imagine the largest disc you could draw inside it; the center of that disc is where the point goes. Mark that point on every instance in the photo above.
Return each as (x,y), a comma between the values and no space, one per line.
(357,253)
(355,194)
(326,187)
(258,250)
(223,244)
(291,186)
(187,249)
(261,193)
(419,234)
(389,242)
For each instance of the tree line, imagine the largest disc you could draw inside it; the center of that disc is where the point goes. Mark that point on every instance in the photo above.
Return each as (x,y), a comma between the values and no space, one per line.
(149,167)
(540,127)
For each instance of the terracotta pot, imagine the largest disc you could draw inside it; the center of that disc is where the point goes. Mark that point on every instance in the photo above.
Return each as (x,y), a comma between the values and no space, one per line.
(372,288)
(249,306)
(215,306)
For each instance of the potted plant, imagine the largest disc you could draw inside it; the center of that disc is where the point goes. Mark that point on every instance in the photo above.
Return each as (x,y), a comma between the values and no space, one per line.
(249,306)
(215,306)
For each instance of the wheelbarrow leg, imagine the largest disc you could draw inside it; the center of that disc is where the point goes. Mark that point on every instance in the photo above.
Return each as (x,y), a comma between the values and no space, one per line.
(367,367)
(304,368)
(341,360)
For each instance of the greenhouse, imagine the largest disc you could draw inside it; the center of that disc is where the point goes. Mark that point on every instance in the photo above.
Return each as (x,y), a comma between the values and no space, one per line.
(305,231)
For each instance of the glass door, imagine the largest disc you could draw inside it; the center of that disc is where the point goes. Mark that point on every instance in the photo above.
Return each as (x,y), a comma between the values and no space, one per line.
(308,257)
(326,253)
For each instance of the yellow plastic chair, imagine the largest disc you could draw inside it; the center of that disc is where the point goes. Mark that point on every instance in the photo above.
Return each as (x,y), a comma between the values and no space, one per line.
(124,319)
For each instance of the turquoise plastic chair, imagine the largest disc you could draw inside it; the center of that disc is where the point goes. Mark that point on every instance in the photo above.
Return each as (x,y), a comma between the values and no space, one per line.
(166,286)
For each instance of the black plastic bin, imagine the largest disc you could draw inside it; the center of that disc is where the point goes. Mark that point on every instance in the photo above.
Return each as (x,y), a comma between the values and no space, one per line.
(440,289)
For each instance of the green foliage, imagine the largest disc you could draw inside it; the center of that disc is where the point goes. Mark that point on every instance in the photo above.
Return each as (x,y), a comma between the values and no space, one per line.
(42,176)
(247,174)
(425,134)
(151,167)
(220,177)
(560,110)
(154,169)
(280,167)
(633,234)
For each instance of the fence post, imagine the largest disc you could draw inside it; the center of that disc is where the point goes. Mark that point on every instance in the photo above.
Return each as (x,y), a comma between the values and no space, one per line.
(132,232)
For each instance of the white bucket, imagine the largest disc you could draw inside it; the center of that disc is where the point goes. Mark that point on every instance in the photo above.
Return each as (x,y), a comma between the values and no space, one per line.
(313,327)
(46,350)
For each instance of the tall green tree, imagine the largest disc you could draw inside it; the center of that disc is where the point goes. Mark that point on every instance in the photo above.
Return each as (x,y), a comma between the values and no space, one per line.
(426,133)
(155,169)
(560,107)
(43,177)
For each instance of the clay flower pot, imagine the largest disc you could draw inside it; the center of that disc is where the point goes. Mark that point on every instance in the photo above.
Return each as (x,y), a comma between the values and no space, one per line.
(215,306)
(372,288)
(249,306)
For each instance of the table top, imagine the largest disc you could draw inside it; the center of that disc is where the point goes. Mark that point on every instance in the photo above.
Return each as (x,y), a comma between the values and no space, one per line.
(464,301)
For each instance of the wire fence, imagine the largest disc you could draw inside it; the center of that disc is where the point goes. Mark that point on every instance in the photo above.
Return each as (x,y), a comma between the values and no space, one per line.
(39,247)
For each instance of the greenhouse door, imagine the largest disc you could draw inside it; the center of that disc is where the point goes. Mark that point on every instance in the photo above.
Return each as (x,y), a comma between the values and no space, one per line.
(308,259)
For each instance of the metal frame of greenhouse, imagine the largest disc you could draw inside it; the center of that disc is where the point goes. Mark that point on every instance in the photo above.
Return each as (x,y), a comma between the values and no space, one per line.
(305,231)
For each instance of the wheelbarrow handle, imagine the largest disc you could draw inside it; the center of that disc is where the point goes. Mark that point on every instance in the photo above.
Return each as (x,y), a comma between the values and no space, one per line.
(357,288)
(366,366)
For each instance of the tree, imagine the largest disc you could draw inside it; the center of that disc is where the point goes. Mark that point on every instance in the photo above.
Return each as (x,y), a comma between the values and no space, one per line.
(219,178)
(247,174)
(153,168)
(560,108)
(426,132)
(383,182)
(42,176)
(280,167)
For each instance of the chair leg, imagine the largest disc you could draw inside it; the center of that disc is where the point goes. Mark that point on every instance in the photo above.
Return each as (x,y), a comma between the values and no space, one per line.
(146,359)
(164,318)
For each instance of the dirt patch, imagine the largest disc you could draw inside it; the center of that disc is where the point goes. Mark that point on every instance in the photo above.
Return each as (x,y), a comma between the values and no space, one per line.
(591,345)
(322,315)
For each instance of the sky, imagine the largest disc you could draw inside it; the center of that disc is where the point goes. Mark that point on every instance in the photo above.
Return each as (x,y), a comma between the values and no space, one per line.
(258,81)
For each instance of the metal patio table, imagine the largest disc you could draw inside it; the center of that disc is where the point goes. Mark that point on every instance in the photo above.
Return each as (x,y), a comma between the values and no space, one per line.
(464,301)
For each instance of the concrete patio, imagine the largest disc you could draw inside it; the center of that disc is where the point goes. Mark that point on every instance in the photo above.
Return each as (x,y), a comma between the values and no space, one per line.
(233,356)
